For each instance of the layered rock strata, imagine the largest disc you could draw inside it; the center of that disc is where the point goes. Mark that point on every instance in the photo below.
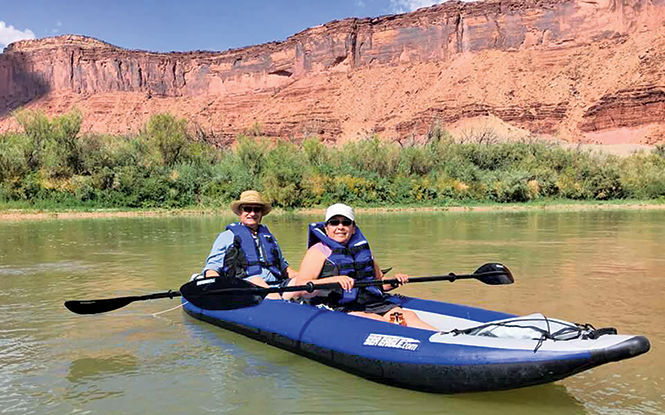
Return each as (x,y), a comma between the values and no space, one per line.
(571,68)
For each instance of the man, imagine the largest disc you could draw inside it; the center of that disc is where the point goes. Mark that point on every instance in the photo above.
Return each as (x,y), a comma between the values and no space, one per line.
(247,249)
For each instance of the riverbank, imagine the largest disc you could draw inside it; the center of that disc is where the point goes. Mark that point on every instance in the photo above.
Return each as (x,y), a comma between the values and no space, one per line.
(37,215)
(161,168)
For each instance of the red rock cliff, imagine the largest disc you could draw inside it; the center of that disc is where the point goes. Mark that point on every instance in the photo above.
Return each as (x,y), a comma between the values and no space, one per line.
(582,70)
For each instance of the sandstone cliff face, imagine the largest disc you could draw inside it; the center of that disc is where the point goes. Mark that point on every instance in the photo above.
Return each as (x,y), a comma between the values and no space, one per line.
(577,69)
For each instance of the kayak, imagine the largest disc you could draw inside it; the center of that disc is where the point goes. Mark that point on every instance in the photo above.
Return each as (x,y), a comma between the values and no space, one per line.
(475,349)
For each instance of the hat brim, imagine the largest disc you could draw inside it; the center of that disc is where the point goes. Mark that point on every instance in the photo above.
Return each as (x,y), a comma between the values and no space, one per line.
(237,204)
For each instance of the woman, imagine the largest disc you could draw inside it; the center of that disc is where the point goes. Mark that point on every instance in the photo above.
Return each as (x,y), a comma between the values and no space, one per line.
(338,252)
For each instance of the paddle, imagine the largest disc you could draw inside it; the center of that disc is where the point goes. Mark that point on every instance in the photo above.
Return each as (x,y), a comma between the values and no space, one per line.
(204,293)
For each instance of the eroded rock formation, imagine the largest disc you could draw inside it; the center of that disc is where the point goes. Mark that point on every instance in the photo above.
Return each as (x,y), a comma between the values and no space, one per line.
(577,69)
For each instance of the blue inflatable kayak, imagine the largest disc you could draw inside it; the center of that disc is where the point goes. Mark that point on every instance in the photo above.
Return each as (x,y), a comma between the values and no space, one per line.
(476,349)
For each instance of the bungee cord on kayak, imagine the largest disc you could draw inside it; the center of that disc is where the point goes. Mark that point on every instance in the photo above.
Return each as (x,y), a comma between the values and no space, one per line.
(513,328)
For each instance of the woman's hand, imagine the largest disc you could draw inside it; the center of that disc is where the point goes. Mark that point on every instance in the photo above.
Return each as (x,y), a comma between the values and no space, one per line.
(345,282)
(402,278)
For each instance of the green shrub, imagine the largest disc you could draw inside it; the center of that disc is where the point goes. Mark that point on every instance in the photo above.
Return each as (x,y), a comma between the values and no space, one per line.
(511,187)
(317,155)
(313,189)
(415,160)
(54,141)
(250,154)
(109,152)
(368,157)
(643,176)
(284,171)
(38,128)
(167,136)
(423,189)
(14,154)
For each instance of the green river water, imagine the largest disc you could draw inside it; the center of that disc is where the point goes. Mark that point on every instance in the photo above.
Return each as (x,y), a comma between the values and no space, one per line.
(606,268)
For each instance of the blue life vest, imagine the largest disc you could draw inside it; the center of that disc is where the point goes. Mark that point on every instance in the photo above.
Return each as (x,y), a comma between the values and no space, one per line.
(353,259)
(252,262)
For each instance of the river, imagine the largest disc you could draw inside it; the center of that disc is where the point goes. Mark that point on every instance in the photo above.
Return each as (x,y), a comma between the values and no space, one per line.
(605,268)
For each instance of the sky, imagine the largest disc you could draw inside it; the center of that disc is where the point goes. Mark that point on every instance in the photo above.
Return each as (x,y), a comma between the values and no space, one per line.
(183,25)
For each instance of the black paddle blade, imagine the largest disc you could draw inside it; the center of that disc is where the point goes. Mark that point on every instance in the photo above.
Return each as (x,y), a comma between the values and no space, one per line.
(222,293)
(497,274)
(97,306)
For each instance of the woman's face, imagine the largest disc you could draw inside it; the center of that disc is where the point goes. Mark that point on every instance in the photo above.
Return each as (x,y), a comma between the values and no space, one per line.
(340,229)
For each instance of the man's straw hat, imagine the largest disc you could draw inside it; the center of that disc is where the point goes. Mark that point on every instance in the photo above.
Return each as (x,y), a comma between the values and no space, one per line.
(250,197)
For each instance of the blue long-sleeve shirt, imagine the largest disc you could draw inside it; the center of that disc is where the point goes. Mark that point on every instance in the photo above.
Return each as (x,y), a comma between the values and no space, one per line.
(215,260)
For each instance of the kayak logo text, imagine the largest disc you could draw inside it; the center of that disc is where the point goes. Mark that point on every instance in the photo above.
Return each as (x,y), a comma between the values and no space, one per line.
(394,342)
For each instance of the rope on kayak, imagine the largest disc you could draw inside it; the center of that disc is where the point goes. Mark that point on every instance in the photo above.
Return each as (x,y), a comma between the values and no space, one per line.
(570,331)
(170,309)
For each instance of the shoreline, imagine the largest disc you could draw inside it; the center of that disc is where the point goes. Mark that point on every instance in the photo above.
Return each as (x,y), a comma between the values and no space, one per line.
(39,215)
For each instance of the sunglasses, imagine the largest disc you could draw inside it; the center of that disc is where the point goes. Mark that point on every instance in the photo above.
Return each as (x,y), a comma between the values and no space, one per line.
(336,222)
(255,209)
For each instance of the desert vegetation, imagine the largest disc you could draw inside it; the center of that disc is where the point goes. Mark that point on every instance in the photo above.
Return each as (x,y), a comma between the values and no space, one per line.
(51,165)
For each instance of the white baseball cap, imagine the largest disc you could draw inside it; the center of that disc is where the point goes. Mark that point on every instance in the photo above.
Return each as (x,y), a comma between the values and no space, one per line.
(340,209)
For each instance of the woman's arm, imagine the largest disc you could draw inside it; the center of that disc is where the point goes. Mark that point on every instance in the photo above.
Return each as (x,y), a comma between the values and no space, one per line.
(310,267)
(291,273)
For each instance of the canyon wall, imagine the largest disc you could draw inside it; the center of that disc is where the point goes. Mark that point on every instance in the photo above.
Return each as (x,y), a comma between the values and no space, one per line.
(589,71)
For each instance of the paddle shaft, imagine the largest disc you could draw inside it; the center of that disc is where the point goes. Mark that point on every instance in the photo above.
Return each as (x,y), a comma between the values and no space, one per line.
(155,296)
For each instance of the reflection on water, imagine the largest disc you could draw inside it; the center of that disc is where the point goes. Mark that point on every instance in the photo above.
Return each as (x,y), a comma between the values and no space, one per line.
(552,398)
(89,369)
(603,268)
(91,378)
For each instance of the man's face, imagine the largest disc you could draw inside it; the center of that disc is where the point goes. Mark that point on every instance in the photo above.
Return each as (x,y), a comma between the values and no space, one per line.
(251,215)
